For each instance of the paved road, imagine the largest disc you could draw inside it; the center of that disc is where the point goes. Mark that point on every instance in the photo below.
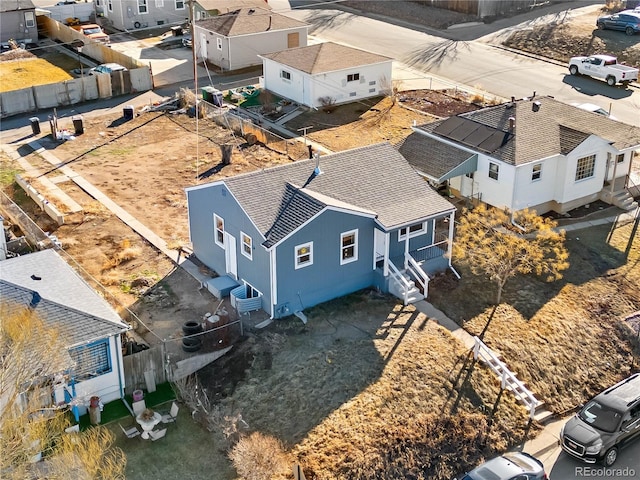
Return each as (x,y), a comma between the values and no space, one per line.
(475,63)
(561,466)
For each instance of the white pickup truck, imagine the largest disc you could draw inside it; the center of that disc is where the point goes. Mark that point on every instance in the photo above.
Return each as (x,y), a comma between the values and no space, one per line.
(605,67)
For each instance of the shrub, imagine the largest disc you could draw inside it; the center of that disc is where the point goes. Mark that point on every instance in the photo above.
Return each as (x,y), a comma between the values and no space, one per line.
(328,104)
(259,457)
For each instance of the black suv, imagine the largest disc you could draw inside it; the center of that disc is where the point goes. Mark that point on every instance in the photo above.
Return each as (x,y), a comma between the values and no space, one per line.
(608,422)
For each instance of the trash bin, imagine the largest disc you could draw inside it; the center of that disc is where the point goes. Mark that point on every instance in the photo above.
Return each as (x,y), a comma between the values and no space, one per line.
(35,125)
(127,112)
(77,124)
(207,94)
(138,395)
(217,98)
(94,411)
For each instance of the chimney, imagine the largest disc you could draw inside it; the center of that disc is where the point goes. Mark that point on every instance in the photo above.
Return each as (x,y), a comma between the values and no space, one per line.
(512,124)
(512,103)
(535,106)
(310,148)
(269,27)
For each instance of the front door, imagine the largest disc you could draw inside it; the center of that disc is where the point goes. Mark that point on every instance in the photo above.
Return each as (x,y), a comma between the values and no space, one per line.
(379,248)
(230,258)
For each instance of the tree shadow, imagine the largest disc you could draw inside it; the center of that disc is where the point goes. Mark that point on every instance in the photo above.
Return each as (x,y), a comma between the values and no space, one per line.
(435,55)
(321,20)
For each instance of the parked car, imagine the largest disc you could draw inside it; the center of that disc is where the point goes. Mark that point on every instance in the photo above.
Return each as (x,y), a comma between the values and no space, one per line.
(608,422)
(592,107)
(187,41)
(605,67)
(627,21)
(509,466)
(107,68)
(92,31)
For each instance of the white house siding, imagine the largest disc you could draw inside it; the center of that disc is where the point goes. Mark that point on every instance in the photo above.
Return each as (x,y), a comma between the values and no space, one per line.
(536,193)
(242,50)
(294,88)
(498,193)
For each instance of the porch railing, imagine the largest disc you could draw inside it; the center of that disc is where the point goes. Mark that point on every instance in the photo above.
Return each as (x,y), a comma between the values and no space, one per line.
(435,250)
(416,271)
(404,283)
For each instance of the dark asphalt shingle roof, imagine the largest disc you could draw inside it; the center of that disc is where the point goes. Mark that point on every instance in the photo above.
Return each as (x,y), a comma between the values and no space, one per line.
(372,180)
(556,128)
(325,57)
(65,298)
(245,21)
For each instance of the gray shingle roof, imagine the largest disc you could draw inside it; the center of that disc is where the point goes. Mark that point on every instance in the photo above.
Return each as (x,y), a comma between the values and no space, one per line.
(55,281)
(325,57)
(245,21)
(13,5)
(74,327)
(374,179)
(556,128)
(226,6)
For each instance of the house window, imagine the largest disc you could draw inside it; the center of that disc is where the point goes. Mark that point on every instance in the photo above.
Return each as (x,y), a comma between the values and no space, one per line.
(493,170)
(352,94)
(620,158)
(284,74)
(159,3)
(585,167)
(469,175)
(219,43)
(247,245)
(179,4)
(372,90)
(252,292)
(372,82)
(537,172)
(352,77)
(91,360)
(110,5)
(414,230)
(142,7)
(218,223)
(348,247)
(29,20)
(304,255)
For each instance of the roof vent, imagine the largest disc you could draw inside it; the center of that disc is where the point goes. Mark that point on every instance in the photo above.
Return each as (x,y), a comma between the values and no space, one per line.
(251,10)
(535,106)
(35,277)
(512,123)
(35,300)
(512,103)
(317,171)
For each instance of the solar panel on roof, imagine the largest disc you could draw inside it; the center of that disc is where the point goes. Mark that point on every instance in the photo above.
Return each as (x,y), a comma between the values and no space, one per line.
(479,135)
(448,126)
(495,141)
(473,134)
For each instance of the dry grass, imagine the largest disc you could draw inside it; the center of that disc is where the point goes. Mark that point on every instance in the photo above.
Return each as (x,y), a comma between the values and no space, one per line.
(16,74)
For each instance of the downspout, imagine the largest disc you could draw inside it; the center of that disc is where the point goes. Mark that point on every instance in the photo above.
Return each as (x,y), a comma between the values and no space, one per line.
(613,177)
(626,180)
(119,358)
(452,219)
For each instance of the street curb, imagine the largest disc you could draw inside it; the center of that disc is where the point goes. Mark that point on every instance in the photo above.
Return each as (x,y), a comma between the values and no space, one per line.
(546,449)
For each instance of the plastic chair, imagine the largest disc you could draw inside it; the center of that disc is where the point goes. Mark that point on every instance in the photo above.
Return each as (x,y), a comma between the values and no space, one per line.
(157,434)
(139,407)
(131,432)
(172,415)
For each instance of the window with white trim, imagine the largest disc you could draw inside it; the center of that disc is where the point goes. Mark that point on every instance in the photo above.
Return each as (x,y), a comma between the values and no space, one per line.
(353,77)
(143,7)
(219,43)
(110,5)
(284,74)
(218,225)
(252,292)
(348,247)
(159,3)
(304,255)
(247,245)
(91,360)
(414,230)
(585,167)
(620,158)
(179,4)
(29,19)
(494,168)
(536,172)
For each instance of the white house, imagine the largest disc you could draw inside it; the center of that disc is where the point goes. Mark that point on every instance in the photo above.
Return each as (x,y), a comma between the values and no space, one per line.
(87,325)
(234,40)
(326,72)
(536,153)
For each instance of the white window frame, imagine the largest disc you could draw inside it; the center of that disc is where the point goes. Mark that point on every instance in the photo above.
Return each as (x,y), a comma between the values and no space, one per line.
(587,170)
(159,3)
(536,172)
(247,246)
(297,255)
(285,75)
(414,233)
(494,170)
(252,292)
(180,4)
(143,4)
(218,231)
(29,19)
(219,43)
(353,77)
(110,5)
(343,247)
(620,158)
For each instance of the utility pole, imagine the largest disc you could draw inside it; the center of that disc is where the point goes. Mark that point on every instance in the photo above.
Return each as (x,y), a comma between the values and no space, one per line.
(194,55)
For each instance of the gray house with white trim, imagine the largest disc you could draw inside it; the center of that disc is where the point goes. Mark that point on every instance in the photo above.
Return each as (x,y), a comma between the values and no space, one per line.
(18,21)
(337,73)
(307,232)
(234,40)
(88,327)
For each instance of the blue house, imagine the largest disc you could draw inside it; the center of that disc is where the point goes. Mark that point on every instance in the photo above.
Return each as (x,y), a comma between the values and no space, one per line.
(293,236)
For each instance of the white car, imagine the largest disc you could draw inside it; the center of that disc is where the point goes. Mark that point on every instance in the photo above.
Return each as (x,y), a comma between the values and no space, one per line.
(107,68)
(592,107)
